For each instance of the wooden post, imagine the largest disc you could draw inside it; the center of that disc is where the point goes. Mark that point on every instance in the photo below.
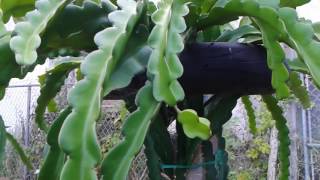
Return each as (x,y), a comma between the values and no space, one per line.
(273,156)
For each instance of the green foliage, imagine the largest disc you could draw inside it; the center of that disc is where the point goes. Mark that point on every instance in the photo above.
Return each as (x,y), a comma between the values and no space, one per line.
(186,147)
(293,3)
(299,90)
(209,34)
(219,111)
(54,161)
(15,8)
(193,125)
(259,147)
(2,139)
(84,153)
(276,57)
(152,159)
(53,81)
(276,25)
(164,66)
(3,30)
(246,158)
(298,65)
(159,145)
(283,135)
(234,35)
(135,129)
(250,113)
(75,26)
(9,68)
(316,28)
(120,41)
(132,63)
(28,33)
(17,147)
(301,39)
(244,176)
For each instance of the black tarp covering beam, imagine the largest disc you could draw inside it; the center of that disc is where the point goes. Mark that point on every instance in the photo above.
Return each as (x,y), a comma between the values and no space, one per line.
(215,68)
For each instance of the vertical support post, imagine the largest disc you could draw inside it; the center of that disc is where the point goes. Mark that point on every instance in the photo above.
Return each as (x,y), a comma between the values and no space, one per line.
(28,115)
(27,126)
(305,140)
(305,147)
(310,141)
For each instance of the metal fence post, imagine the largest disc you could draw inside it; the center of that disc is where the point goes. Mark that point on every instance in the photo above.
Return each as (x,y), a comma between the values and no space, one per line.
(304,137)
(27,127)
(305,147)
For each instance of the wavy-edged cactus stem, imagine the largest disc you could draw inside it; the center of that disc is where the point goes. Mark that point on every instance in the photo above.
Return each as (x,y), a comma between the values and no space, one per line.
(78,137)
(54,80)
(15,8)
(193,125)
(301,38)
(9,67)
(28,32)
(293,3)
(134,130)
(299,90)
(219,111)
(153,159)
(283,21)
(272,29)
(275,59)
(227,10)
(54,161)
(74,28)
(164,67)
(283,135)
(250,113)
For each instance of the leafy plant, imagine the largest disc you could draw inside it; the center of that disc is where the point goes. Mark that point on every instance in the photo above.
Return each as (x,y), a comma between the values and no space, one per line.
(119,40)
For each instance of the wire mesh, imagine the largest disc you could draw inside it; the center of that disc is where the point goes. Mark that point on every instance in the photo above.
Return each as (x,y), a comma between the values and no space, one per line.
(313,123)
(19,101)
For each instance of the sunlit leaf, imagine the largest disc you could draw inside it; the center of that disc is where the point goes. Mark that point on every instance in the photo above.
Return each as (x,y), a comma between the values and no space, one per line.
(193,125)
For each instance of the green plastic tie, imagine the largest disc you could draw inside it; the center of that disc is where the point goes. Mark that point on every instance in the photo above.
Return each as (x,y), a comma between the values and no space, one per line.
(192,166)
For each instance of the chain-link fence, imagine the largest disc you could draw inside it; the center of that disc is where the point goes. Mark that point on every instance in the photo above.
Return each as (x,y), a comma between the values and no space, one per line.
(311,126)
(17,109)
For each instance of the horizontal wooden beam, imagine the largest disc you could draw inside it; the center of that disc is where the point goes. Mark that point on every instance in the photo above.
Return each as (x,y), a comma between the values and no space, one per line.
(215,68)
